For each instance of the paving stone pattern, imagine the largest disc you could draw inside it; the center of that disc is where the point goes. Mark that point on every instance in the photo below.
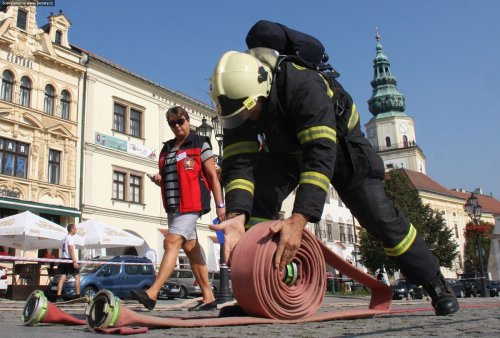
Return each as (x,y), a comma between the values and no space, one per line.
(471,321)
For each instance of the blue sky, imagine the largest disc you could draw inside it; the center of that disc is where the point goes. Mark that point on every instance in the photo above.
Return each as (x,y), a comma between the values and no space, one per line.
(445,55)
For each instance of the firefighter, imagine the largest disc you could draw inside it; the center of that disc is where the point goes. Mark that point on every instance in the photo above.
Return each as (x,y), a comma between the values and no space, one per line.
(287,130)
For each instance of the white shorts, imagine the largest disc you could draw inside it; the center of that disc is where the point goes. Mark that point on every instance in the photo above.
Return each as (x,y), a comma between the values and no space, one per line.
(183,224)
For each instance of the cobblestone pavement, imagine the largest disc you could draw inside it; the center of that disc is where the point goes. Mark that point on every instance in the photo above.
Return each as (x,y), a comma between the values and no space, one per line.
(478,317)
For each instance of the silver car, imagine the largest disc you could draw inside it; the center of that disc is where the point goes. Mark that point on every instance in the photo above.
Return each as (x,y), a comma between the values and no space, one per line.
(189,285)
(214,277)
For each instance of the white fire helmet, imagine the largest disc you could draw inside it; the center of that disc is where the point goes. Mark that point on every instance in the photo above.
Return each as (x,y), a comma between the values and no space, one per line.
(238,81)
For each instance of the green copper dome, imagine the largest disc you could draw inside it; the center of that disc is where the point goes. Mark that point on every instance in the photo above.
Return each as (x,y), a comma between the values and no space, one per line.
(386,99)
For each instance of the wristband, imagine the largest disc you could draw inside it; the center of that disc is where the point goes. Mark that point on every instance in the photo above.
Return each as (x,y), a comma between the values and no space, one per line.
(220,205)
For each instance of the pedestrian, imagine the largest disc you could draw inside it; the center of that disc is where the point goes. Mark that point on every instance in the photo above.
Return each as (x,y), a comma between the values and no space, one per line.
(186,175)
(68,269)
(312,139)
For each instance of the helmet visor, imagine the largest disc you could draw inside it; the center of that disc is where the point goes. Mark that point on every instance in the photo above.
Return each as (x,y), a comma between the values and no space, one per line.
(234,112)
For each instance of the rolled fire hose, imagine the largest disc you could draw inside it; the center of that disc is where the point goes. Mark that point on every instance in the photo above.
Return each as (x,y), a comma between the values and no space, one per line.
(263,291)
(265,294)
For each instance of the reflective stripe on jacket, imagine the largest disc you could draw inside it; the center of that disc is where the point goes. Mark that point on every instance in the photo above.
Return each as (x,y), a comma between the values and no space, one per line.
(299,118)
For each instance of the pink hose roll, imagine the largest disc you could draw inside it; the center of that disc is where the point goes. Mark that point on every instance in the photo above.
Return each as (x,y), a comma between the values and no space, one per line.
(259,287)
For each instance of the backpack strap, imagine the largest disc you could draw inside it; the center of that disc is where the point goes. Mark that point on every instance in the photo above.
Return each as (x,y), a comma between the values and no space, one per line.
(342,105)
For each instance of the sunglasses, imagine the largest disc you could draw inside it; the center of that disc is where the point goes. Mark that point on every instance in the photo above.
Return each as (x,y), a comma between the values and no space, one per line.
(180,122)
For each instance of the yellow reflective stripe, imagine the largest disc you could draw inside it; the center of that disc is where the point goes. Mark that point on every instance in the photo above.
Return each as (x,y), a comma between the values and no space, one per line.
(329,90)
(241,148)
(255,220)
(240,184)
(404,245)
(315,178)
(354,117)
(314,133)
(298,67)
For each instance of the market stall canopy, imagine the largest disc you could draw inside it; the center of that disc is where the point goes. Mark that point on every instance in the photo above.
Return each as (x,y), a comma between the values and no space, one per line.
(101,235)
(27,231)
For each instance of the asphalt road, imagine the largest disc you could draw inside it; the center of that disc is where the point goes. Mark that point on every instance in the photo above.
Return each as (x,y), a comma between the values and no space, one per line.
(478,317)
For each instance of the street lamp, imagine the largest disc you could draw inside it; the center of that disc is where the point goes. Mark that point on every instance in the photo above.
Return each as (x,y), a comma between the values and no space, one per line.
(204,129)
(473,209)
(224,294)
(218,137)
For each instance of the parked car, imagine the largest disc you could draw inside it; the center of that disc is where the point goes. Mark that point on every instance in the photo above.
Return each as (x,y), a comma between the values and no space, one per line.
(117,278)
(189,285)
(170,290)
(458,287)
(494,288)
(405,289)
(474,284)
(214,277)
(3,281)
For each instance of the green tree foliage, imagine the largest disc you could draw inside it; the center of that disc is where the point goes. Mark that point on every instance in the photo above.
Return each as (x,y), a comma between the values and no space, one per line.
(429,224)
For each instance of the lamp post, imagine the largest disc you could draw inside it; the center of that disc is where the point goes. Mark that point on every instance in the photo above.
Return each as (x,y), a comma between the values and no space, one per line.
(224,294)
(204,129)
(218,137)
(473,209)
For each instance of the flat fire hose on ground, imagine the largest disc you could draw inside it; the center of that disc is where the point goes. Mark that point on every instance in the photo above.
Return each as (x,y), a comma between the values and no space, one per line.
(265,294)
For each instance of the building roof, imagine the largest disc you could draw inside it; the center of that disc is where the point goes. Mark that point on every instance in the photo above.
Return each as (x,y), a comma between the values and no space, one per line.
(423,182)
(488,203)
(140,77)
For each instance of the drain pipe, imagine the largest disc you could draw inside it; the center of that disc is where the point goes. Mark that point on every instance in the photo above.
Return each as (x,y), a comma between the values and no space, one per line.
(84,61)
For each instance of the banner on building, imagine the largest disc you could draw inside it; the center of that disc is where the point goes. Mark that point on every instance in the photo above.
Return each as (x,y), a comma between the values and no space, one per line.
(125,146)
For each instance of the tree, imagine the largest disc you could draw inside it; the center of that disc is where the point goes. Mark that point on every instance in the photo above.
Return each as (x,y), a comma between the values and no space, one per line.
(429,224)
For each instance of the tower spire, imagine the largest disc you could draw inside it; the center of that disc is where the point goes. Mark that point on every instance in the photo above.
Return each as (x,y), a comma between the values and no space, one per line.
(386,99)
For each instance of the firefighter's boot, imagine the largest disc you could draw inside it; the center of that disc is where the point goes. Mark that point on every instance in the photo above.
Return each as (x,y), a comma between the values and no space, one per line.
(443,298)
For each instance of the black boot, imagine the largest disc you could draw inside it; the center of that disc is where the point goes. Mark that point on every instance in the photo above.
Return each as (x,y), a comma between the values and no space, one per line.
(444,300)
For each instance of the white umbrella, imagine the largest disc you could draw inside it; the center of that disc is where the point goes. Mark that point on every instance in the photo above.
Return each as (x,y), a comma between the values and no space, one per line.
(101,235)
(27,231)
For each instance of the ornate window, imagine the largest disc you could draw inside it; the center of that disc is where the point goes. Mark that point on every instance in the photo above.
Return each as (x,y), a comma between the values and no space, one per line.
(65,102)
(54,166)
(13,158)
(58,38)
(48,102)
(22,19)
(7,82)
(25,92)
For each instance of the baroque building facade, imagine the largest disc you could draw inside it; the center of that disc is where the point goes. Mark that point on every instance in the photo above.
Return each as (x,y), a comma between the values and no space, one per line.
(79,134)
(124,125)
(39,121)
(392,133)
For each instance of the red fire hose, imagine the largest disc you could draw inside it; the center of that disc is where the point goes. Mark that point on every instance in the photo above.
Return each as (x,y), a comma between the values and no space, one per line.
(265,294)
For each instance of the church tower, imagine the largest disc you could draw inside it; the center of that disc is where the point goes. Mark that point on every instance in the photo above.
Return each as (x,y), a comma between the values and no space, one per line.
(390,131)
